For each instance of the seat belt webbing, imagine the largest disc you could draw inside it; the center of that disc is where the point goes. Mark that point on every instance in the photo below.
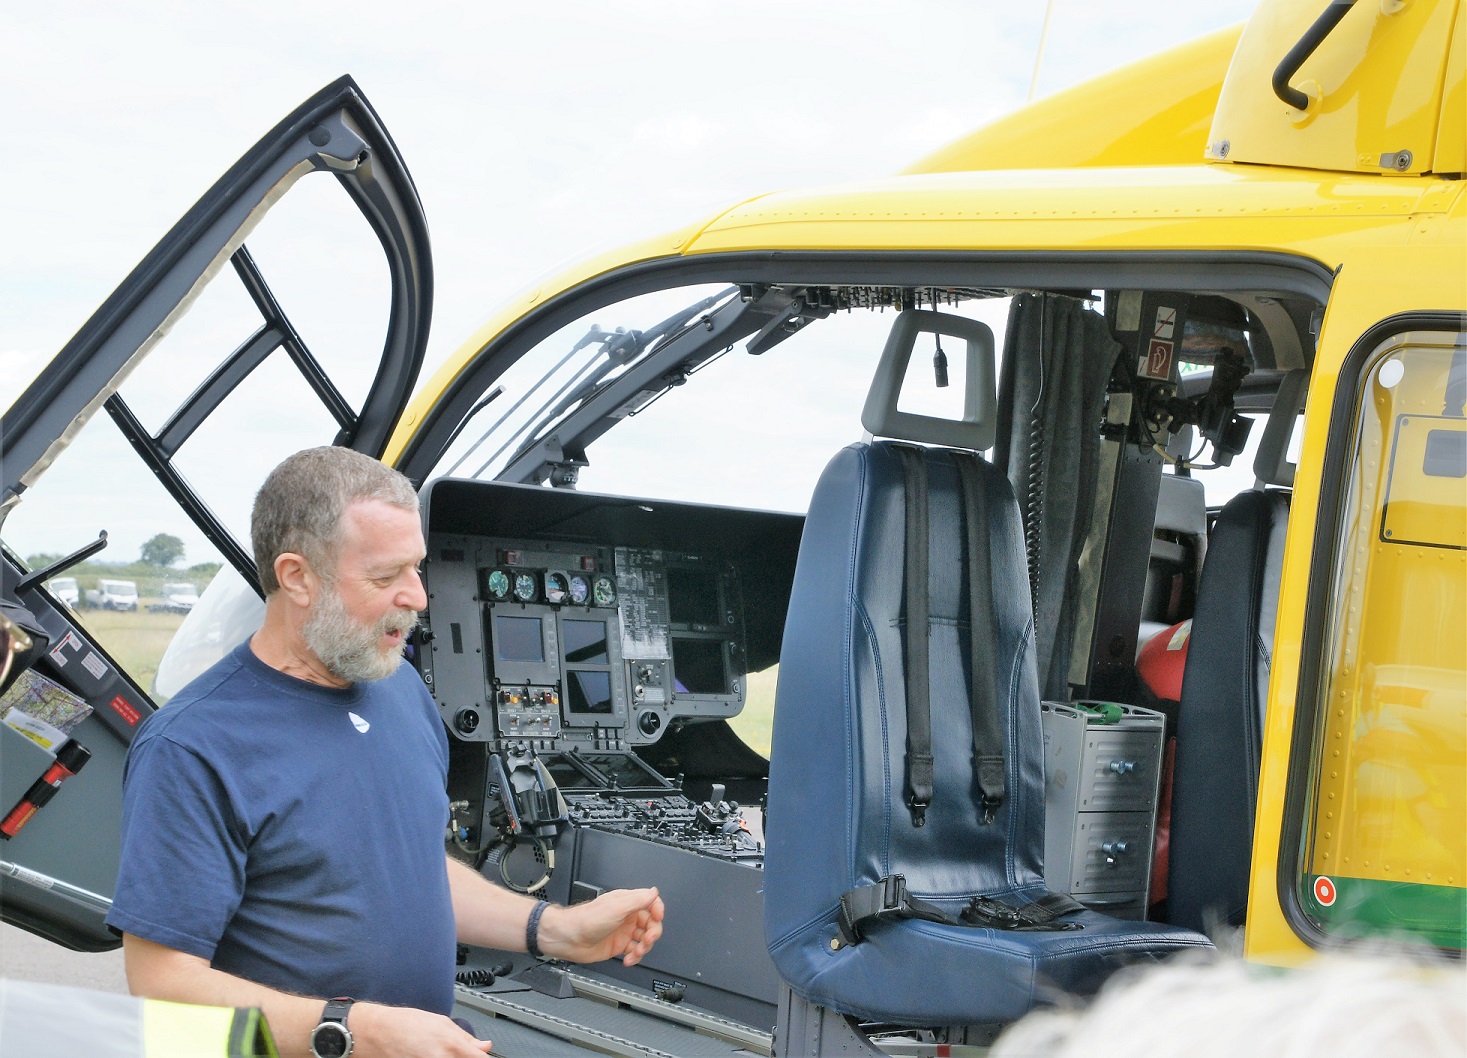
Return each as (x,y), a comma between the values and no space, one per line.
(983,699)
(890,899)
(918,681)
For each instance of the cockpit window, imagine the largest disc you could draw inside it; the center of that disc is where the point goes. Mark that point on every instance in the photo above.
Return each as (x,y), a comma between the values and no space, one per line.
(752,429)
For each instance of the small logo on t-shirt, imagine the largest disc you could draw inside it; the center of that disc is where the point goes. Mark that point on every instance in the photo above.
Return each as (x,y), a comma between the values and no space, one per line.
(358,723)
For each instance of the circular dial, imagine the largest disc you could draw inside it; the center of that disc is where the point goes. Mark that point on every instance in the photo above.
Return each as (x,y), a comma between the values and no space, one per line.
(498,584)
(557,587)
(524,587)
(580,589)
(603,591)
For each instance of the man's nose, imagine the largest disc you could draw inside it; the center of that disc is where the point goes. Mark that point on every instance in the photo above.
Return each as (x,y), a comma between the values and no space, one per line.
(413,595)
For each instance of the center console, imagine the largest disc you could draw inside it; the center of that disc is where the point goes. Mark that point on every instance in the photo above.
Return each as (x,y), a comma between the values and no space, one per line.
(583,652)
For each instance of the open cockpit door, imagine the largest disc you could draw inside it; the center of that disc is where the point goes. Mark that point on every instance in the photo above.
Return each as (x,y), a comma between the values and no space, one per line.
(250,331)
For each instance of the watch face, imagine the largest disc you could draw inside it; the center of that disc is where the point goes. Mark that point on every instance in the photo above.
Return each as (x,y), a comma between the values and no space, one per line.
(330,1040)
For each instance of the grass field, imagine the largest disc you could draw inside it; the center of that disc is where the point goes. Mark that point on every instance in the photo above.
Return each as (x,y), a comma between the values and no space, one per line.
(755,725)
(136,641)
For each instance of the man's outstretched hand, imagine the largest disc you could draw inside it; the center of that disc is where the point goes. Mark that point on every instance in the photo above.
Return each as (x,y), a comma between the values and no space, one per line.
(622,924)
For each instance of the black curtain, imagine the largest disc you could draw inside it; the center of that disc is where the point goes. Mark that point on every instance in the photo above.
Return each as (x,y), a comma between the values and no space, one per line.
(1058,356)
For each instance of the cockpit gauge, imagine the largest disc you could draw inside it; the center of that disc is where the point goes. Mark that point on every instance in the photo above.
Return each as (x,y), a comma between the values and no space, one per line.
(498,585)
(525,588)
(580,589)
(557,587)
(603,591)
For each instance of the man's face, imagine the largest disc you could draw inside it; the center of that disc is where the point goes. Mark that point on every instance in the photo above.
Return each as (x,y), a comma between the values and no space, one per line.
(360,623)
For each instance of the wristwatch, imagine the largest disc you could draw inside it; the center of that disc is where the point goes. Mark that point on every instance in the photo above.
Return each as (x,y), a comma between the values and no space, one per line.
(331,1038)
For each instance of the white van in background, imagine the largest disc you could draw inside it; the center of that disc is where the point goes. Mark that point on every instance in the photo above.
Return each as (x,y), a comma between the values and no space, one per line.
(113,595)
(65,590)
(176,598)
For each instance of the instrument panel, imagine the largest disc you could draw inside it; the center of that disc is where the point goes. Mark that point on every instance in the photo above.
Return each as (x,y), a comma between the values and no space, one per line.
(566,643)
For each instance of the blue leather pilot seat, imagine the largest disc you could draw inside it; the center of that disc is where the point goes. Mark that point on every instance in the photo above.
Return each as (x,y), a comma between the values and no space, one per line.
(839,816)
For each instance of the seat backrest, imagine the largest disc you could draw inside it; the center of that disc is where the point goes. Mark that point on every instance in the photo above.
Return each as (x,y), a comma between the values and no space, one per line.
(1220,723)
(840,723)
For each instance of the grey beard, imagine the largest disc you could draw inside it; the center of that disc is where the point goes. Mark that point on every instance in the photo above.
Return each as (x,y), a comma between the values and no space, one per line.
(349,649)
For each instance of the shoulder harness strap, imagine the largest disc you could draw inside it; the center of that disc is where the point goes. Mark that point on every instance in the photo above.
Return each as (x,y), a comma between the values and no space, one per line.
(918,684)
(983,699)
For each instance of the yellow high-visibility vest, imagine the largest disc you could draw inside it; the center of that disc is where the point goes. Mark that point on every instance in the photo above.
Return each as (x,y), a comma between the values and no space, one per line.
(55,1021)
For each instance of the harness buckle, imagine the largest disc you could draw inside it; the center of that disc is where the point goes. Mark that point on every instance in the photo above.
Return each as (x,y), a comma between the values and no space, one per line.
(893,894)
(986,911)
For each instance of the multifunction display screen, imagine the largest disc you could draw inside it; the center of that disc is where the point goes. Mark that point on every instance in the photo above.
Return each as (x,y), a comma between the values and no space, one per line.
(697,666)
(518,638)
(584,641)
(590,691)
(692,596)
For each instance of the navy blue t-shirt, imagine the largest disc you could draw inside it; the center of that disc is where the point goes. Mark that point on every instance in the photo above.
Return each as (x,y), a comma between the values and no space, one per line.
(292,834)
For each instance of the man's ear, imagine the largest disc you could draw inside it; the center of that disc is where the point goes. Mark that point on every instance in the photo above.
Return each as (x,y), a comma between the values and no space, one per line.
(298,581)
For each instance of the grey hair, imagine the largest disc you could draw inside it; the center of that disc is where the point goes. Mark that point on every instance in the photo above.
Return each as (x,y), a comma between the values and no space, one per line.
(299,507)
(1344,1004)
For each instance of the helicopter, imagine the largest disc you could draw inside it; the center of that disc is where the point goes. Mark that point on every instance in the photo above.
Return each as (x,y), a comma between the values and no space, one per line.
(1208,346)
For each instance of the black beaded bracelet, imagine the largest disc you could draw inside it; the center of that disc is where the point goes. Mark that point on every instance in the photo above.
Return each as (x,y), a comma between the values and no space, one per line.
(532,929)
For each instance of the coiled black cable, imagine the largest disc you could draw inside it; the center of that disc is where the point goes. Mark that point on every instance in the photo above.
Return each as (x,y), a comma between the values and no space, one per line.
(1034,509)
(475,978)
(1034,492)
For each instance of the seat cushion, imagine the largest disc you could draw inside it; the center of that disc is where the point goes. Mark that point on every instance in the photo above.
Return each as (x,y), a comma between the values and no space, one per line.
(915,972)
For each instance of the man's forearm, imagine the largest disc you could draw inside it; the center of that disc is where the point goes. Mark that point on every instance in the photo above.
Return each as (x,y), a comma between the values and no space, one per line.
(379,1031)
(485,914)
(621,924)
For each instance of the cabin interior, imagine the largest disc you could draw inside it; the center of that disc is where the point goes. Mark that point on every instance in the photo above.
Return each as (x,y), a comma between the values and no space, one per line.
(606,660)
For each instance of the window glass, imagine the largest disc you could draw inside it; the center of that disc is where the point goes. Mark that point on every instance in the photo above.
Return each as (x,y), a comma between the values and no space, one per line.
(130,596)
(1220,484)
(755,722)
(752,431)
(275,409)
(152,598)
(756,431)
(1385,840)
(325,268)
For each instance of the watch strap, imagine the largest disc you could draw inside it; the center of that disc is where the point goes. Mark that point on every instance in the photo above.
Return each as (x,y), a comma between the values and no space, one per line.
(333,1023)
(337,1009)
(532,930)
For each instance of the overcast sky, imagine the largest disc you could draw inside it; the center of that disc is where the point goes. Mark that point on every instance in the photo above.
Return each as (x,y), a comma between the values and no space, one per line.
(535,132)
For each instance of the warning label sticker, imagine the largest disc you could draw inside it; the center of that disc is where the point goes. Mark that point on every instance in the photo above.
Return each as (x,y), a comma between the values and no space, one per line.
(94,664)
(1166,319)
(1157,363)
(68,642)
(123,708)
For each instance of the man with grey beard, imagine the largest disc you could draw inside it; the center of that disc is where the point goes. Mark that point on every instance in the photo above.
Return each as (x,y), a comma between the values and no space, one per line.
(283,816)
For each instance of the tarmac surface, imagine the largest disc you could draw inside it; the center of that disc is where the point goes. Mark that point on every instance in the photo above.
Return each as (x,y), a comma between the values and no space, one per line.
(26,957)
